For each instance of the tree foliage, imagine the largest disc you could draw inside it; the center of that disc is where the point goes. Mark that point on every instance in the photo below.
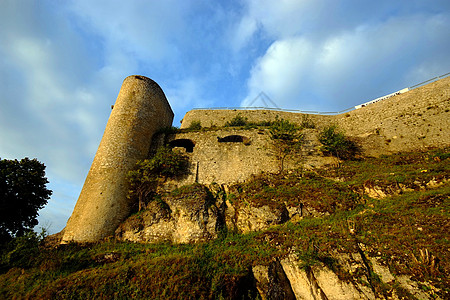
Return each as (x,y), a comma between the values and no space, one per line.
(287,138)
(144,179)
(337,144)
(23,192)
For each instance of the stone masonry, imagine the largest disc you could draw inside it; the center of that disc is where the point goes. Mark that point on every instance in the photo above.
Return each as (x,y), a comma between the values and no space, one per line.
(141,109)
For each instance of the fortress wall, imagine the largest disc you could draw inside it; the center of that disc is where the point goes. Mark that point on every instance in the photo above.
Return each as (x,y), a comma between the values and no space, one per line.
(218,117)
(413,120)
(226,162)
(416,119)
(140,110)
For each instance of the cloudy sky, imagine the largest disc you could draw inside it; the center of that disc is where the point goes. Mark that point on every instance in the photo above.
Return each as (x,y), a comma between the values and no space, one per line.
(62,64)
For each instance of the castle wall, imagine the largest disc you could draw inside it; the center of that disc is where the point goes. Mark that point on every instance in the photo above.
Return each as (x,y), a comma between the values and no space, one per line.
(218,157)
(140,110)
(410,121)
(218,117)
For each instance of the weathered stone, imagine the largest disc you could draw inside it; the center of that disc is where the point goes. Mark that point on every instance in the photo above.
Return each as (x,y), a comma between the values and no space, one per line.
(229,155)
(141,109)
(318,282)
(271,281)
(188,217)
(251,218)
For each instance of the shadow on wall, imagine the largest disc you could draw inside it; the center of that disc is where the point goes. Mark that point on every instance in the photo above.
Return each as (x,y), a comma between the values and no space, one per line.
(183,143)
(234,139)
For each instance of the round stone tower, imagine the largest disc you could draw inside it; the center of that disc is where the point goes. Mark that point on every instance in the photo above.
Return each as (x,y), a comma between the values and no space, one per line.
(141,109)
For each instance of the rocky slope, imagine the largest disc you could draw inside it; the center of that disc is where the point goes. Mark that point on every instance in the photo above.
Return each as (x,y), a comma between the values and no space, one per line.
(370,229)
(357,255)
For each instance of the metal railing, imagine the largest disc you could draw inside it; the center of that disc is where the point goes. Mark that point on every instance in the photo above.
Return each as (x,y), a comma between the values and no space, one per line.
(318,112)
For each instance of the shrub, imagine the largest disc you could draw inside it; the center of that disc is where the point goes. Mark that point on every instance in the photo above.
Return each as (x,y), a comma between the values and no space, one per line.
(237,121)
(169,130)
(307,122)
(195,125)
(337,144)
(20,251)
(145,178)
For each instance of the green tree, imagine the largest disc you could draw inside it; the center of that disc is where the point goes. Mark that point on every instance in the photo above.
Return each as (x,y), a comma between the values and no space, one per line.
(287,140)
(144,179)
(23,192)
(337,144)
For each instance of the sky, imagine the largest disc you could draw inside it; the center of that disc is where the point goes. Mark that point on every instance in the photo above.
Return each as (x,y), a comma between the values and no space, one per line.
(62,64)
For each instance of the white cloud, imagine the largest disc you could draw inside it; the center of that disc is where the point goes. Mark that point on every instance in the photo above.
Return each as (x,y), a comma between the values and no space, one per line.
(144,30)
(243,32)
(282,71)
(352,65)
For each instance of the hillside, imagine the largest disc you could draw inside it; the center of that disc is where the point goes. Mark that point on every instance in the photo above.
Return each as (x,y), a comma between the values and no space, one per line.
(370,228)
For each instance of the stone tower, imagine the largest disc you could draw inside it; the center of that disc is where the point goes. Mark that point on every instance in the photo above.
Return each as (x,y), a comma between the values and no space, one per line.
(140,110)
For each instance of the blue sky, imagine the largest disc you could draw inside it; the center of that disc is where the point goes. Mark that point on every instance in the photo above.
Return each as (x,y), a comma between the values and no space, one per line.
(62,64)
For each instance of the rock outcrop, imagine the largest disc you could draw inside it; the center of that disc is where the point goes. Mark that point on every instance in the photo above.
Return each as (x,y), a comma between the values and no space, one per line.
(187,216)
(291,278)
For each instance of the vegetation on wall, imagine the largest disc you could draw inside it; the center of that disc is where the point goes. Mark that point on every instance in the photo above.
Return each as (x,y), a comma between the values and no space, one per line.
(237,121)
(23,192)
(287,140)
(169,130)
(144,179)
(334,142)
(307,122)
(195,125)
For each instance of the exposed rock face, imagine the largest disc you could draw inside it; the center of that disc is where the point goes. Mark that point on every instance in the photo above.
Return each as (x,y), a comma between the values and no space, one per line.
(378,190)
(196,214)
(251,218)
(188,217)
(289,278)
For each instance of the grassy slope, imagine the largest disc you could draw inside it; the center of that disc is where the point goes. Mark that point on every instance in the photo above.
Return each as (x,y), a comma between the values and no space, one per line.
(395,228)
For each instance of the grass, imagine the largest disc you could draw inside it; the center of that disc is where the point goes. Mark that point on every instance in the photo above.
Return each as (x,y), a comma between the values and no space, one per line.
(407,232)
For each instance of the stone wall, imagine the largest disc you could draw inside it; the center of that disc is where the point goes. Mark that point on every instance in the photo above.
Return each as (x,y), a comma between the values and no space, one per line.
(417,119)
(233,155)
(414,120)
(218,117)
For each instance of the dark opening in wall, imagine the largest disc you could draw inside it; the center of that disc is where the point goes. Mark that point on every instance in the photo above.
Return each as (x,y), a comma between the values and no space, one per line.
(185,143)
(234,139)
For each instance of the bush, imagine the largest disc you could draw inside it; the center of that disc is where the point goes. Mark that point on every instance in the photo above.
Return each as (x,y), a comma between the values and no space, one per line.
(169,130)
(145,178)
(307,122)
(237,121)
(195,125)
(20,251)
(337,144)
